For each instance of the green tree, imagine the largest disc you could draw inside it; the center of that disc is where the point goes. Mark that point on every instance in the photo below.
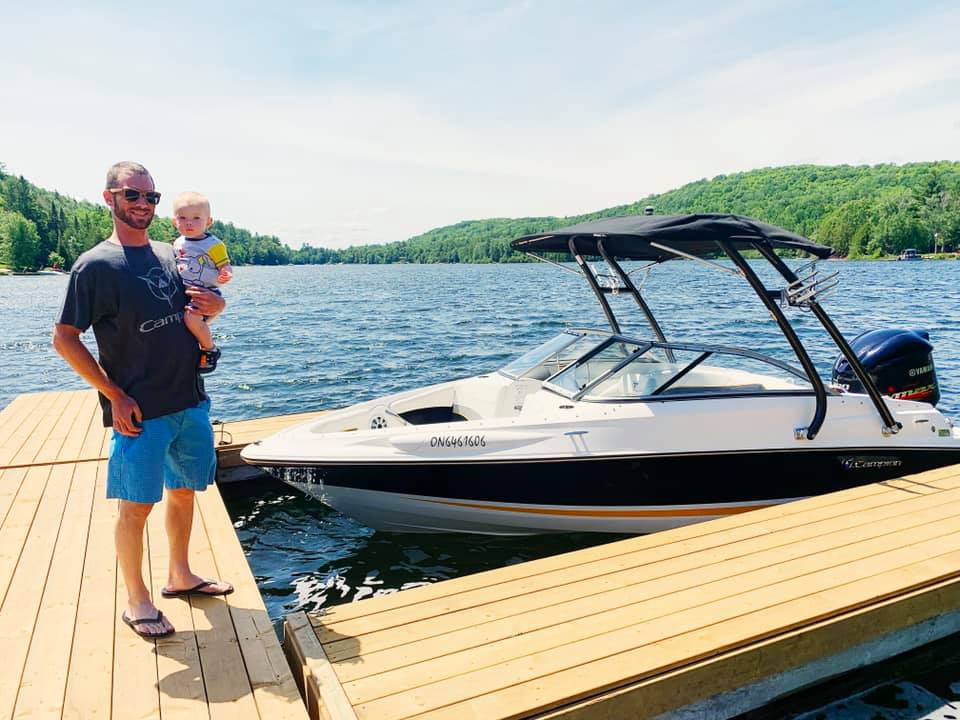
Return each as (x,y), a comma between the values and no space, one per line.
(939,211)
(5,218)
(898,225)
(23,243)
(848,228)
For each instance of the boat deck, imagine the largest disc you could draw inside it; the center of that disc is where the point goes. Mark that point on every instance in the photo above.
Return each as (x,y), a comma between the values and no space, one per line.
(710,620)
(66,652)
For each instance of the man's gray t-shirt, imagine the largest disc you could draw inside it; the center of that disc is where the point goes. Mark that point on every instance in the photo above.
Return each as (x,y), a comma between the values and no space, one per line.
(133,298)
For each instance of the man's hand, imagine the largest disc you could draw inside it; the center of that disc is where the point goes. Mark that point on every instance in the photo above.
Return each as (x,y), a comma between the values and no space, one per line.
(126,415)
(204,302)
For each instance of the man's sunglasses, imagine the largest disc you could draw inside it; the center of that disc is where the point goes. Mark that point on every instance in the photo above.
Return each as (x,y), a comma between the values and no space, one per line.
(131,195)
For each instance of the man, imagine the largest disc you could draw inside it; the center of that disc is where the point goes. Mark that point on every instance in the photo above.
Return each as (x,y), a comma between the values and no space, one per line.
(128,289)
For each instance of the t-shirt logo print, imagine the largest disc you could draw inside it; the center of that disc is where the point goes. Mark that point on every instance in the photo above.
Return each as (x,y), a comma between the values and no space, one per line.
(161,284)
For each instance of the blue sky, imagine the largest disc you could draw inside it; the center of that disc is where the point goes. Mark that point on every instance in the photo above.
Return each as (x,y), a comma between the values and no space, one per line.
(337,123)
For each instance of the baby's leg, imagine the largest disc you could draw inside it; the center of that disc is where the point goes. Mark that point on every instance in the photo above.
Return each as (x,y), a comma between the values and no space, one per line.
(201,331)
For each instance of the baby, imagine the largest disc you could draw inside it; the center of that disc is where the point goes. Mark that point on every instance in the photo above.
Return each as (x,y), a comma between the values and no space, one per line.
(203,262)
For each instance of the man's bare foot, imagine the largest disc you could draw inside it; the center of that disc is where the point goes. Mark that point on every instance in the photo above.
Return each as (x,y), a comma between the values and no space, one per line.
(146,620)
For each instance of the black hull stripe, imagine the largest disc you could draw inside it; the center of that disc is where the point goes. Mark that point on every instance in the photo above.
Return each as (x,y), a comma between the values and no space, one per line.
(732,477)
(952,451)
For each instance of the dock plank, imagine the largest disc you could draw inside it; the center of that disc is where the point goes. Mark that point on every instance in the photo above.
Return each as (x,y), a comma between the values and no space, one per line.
(273,684)
(96,442)
(136,688)
(14,413)
(89,688)
(17,524)
(180,675)
(334,702)
(48,428)
(616,669)
(229,690)
(87,410)
(18,618)
(810,596)
(582,612)
(10,482)
(590,565)
(33,430)
(22,408)
(713,676)
(715,532)
(242,432)
(58,433)
(657,602)
(44,681)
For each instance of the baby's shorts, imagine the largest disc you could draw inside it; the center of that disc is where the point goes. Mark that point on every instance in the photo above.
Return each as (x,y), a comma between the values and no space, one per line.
(215,290)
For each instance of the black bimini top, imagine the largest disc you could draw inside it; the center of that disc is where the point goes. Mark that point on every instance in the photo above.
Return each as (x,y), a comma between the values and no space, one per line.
(630,237)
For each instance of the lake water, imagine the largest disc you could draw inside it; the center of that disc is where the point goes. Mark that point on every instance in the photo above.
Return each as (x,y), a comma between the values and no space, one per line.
(308,338)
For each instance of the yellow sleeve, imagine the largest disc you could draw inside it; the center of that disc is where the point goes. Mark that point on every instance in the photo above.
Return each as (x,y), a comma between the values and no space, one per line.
(218,253)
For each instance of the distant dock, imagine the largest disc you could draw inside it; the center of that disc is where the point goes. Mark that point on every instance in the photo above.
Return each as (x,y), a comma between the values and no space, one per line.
(709,620)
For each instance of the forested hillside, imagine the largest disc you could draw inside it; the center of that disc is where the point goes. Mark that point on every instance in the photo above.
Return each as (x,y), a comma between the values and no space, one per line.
(43,228)
(858,210)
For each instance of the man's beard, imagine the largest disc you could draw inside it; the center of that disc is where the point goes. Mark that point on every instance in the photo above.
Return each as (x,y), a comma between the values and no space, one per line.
(125,217)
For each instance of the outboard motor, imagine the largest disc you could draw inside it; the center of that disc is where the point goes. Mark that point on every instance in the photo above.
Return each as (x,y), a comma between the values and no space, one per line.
(900,363)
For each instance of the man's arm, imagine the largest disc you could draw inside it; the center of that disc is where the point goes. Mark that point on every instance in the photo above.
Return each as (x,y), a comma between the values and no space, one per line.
(204,302)
(126,412)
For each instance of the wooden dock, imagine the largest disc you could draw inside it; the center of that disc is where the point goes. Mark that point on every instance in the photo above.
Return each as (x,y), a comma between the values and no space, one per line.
(66,653)
(710,620)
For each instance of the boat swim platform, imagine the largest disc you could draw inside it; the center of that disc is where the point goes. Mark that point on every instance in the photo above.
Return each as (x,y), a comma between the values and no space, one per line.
(66,652)
(706,621)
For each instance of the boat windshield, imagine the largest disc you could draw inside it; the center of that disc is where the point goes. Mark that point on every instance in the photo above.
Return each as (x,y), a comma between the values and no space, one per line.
(554,355)
(620,369)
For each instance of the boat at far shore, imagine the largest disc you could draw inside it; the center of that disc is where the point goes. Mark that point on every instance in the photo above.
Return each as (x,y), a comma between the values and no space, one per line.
(601,430)
(30,273)
(910,254)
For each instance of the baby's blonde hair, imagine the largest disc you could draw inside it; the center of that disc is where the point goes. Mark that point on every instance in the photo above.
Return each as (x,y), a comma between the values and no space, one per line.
(190,199)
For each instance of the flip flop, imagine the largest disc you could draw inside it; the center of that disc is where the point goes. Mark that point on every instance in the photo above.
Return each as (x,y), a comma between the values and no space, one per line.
(134,625)
(196,590)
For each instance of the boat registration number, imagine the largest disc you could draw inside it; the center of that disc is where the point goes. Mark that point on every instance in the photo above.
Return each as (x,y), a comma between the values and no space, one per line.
(458,441)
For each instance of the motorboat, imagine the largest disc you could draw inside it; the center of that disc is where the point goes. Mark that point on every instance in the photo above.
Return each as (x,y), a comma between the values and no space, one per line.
(910,254)
(601,430)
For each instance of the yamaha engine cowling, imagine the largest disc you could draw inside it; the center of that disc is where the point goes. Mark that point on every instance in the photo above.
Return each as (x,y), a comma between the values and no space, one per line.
(900,363)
